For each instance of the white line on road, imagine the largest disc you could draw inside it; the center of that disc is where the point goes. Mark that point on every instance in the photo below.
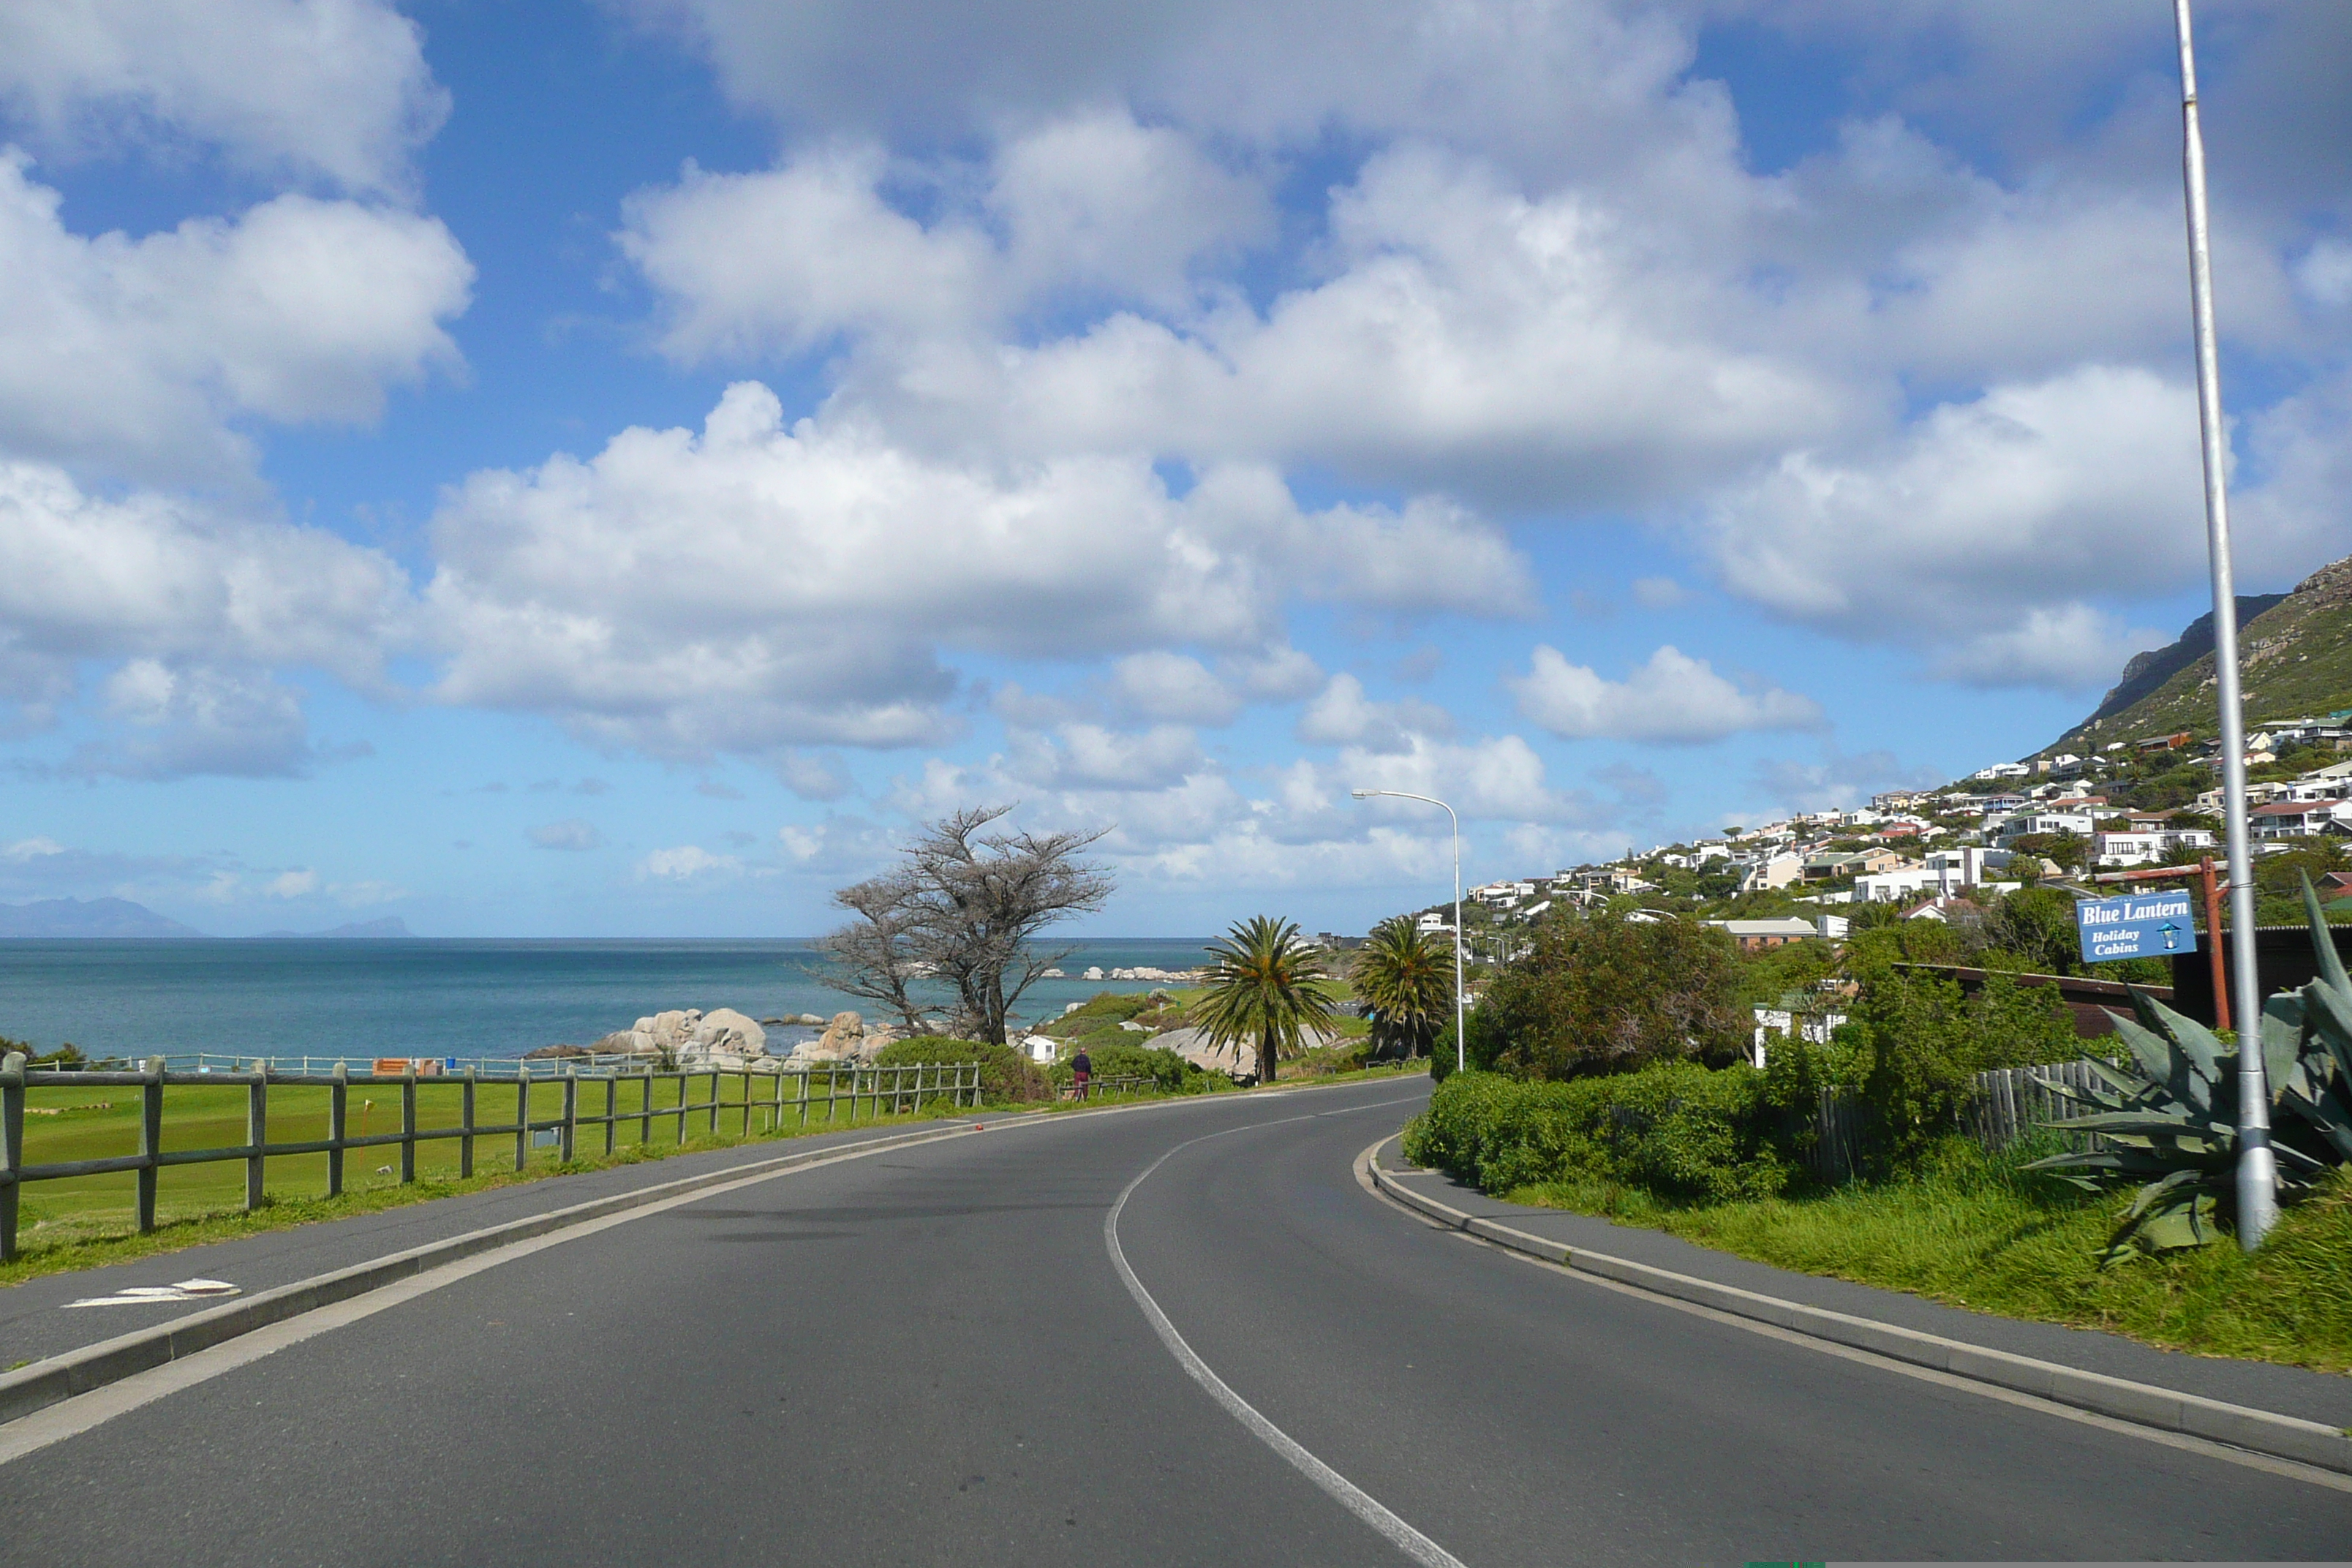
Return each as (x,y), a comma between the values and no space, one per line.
(149,1295)
(70,1417)
(1349,1495)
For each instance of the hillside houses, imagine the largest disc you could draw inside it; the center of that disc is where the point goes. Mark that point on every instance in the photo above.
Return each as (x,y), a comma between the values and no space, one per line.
(1929,852)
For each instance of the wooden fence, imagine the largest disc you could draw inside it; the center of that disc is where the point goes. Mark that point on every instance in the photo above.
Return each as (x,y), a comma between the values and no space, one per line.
(2009,1103)
(882,1090)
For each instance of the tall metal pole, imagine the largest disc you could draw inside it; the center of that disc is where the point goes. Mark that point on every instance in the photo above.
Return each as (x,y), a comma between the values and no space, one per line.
(2257,1176)
(1461,1026)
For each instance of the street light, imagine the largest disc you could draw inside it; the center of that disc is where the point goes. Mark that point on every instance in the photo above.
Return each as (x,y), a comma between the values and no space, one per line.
(1461,1028)
(2257,1173)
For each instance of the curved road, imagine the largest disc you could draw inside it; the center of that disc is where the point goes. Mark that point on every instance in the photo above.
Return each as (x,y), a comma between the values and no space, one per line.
(930,1355)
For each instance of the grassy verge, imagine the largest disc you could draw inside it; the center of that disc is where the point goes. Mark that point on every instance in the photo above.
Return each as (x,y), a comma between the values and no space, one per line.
(83,1238)
(1973,1230)
(87,1224)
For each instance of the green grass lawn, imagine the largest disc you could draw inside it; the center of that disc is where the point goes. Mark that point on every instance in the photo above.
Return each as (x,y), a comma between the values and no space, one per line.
(1975,1231)
(65,1123)
(85,1222)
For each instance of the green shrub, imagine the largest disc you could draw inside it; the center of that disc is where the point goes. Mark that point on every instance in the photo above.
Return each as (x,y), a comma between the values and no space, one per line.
(1676,1129)
(1604,995)
(1920,1043)
(1170,1073)
(1006,1077)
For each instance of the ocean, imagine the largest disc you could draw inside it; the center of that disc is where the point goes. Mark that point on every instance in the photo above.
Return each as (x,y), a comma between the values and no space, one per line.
(467,999)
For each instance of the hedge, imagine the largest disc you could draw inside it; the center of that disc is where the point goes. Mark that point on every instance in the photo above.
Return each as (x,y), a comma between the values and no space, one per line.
(1006,1077)
(1678,1129)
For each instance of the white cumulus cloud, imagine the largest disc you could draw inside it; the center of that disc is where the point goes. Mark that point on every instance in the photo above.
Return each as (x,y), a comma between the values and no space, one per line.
(573,832)
(336,89)
(761,585)
(138,352)
(1673,698)
(686,862)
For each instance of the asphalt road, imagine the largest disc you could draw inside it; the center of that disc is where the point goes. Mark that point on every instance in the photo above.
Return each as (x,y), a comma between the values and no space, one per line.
(928,1356)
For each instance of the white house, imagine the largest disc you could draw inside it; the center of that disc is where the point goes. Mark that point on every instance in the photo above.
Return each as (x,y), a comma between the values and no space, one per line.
(2079,824)
(1901,882)
(1965,866)
(1776,871)
(2127,849)
(1756,936)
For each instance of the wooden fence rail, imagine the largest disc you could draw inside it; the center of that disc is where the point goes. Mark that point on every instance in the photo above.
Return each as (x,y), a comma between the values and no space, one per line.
(2009,1103)
(881,1091)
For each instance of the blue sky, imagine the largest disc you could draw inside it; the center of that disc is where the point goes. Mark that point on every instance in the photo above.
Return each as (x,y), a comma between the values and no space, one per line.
(611,468)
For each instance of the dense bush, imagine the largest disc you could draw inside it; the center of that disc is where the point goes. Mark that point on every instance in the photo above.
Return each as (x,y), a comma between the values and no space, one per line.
(1170,1073)
(1915,1044)
(1006,1077)
(1604,996)
(1676,1128)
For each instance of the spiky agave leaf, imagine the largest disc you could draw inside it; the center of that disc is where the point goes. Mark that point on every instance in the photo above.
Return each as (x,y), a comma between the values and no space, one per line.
(2169,1117)
(2165,1118)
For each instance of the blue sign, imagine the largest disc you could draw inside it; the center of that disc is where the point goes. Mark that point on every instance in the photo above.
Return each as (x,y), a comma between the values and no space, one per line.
(2142,925)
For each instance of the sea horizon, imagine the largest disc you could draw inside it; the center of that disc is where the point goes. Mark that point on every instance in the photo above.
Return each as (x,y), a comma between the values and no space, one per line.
(469,997)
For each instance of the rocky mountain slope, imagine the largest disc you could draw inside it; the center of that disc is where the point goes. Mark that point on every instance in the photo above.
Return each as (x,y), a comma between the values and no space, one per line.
(93,916)
(2296,660)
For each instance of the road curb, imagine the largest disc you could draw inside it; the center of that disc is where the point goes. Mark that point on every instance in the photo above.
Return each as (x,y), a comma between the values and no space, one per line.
(2169,1410)
(61,1377)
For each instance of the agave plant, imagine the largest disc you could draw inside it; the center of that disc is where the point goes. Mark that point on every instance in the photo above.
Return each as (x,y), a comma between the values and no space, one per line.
(2169,1116)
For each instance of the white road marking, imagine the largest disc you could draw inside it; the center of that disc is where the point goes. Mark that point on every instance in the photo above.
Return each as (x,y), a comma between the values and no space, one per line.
(147,1295)
(1349,1495)
(71,1417)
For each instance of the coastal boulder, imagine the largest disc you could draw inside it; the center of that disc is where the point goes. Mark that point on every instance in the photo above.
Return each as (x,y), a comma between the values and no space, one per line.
(726,1030)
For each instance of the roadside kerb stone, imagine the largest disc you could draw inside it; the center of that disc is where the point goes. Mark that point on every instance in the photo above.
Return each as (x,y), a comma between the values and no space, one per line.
(60,1377)
(2286,1437)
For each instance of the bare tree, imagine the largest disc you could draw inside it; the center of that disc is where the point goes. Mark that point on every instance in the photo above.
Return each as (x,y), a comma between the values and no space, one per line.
(874,957)
(964,911)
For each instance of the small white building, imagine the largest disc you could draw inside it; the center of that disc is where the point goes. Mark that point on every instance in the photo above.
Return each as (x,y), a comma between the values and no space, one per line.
(1773,871)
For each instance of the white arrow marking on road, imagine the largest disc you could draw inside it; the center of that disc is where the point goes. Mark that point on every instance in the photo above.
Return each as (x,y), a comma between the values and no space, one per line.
(144,1295)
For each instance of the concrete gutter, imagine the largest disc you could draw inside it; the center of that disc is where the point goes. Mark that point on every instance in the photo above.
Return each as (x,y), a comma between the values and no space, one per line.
(2285,1437)
(60,1377)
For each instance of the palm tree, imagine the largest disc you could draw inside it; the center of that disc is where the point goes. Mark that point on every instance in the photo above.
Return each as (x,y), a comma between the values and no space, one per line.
(1405,977)
(1265,986)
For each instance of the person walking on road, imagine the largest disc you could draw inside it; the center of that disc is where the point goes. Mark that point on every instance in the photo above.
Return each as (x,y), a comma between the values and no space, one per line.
(1082,1069)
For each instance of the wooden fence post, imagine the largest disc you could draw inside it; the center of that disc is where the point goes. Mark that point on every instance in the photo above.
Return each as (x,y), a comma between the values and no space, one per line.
(570,1112)
(338,1105)
(832,1092)
(805,1074)
(466,1123)
(776,1112)
(714,1102)
(523,1115)
(612,1109)
(408,1125)
(151,1138)
(257,1133)
(12,1147)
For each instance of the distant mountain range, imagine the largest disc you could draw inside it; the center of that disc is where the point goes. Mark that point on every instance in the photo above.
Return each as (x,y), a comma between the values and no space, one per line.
(2294,661)
(121,918)
(93,917)
(390,926)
